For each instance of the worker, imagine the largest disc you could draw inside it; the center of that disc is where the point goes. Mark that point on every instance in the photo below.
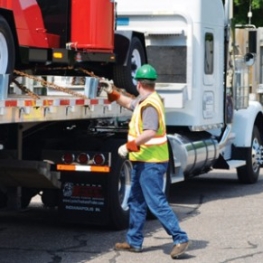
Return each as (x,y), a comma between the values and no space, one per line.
(148,151)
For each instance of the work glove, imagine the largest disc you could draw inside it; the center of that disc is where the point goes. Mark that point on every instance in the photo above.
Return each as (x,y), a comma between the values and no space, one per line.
(128,147)
(107,86)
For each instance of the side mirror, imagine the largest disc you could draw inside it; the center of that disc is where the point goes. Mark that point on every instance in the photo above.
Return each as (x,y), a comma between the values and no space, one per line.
(249,59)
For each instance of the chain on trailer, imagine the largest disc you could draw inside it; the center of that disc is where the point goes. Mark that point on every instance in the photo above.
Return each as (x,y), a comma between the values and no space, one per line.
(51,85)
(26,90)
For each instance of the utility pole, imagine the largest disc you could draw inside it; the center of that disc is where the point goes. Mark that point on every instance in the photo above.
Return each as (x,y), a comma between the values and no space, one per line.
(249,14)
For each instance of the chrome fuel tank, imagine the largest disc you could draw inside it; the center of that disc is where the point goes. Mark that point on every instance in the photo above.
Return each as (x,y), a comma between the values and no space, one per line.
(193,156)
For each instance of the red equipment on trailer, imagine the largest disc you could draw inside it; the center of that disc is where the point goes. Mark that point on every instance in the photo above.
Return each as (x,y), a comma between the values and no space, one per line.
(62,45)
(40,35)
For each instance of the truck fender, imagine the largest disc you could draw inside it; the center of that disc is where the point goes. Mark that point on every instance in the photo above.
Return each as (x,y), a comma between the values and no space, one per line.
(122,43)
(244,121)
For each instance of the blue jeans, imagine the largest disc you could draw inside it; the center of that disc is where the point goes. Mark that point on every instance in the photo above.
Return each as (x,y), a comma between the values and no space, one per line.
(146,190)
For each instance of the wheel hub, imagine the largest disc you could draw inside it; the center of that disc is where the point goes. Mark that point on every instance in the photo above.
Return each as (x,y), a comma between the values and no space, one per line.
(257,157)
(135,63)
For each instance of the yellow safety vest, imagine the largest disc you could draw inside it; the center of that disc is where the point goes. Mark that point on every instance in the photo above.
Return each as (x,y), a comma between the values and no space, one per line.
(156,149)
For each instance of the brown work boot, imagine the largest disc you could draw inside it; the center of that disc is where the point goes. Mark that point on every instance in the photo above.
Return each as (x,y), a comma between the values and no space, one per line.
(126,247)
(179,249)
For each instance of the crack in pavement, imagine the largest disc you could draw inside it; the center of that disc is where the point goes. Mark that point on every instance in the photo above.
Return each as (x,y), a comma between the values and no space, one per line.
(113,259)
(81,244)
(241,257)
(194,211)
(54,252)
(251,246)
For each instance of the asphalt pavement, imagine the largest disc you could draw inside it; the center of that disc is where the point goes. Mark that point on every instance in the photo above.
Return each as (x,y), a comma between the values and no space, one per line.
(223,218)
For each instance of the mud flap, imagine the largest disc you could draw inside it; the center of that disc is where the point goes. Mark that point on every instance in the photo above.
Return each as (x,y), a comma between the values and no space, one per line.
(83,198)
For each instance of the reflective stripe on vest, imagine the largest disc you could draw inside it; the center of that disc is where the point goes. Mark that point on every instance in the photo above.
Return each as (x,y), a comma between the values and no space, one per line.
(156,149)
(152,141)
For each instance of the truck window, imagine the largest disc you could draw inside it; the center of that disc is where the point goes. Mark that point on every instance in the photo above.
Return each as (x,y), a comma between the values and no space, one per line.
(209,54)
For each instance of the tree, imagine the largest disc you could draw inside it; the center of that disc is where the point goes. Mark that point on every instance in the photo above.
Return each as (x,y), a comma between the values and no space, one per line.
(242,7)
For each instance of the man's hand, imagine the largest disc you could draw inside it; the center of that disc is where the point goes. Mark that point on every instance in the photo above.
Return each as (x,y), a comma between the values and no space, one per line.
(123,151)
(107,86)
(128,147)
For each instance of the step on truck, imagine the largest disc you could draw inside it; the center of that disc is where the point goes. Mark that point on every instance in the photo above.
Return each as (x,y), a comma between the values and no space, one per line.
(60,134)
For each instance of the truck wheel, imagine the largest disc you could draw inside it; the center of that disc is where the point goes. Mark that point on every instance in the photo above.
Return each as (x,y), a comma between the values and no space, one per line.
(50,197)
(7,48)
(124,75)
(249,173)
(119,180)
(119,190)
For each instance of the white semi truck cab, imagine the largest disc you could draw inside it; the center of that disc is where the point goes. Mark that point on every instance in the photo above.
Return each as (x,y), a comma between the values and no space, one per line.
(204,85)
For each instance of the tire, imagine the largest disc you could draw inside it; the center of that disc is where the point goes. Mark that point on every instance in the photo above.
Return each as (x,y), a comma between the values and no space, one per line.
(7,48)
(124,76)
(118,185)
(249,173)
(50,198)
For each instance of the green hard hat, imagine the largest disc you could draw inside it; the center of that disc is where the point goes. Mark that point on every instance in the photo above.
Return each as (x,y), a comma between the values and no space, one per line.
(146,72)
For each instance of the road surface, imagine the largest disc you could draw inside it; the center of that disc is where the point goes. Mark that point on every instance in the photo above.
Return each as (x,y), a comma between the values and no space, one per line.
(224,220)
